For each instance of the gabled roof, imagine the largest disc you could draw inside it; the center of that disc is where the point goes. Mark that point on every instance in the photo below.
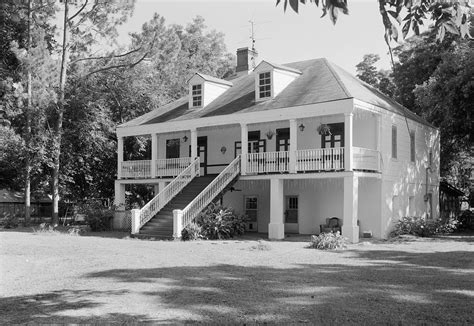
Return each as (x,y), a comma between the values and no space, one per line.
(320,81)
(212,79)
(281,67)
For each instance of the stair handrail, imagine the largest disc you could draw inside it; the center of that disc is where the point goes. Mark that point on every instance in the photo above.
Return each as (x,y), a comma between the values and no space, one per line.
(210,192)
(169,192)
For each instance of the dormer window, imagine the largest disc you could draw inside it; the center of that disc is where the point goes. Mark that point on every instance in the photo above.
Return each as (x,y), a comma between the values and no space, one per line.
(265,85)
(197,95)
(271,80)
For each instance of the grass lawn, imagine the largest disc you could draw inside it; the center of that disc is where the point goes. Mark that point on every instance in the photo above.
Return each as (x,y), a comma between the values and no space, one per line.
(105,278)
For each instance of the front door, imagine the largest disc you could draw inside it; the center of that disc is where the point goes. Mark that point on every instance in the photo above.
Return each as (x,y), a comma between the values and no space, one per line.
(334,140)
(202,153)
(291,214)
(283,145)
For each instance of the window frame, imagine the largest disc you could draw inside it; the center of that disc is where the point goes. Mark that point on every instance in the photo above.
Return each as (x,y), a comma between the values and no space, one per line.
(251,209)
(268,84)
(394,142)
(412,146)
(197,95)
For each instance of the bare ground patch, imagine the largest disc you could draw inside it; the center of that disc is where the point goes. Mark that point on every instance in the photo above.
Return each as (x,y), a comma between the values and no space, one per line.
(67,279)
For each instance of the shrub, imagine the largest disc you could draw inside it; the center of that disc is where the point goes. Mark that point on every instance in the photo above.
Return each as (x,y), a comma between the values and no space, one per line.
(422,227)
(10,222)
(328,241)
(218,222)
(97,216)
(191,232)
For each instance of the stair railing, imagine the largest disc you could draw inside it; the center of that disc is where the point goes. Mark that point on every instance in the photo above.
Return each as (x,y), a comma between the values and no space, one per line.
(169,192)
(182,218)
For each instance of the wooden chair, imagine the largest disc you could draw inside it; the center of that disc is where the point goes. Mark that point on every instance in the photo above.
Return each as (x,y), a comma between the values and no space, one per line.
(333,224)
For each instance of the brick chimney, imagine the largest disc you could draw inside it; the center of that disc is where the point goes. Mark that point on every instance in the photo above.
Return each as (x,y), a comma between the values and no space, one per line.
(246,60)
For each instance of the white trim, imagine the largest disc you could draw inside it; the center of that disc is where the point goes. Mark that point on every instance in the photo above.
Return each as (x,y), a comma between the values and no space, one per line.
(283,114)
(317,175)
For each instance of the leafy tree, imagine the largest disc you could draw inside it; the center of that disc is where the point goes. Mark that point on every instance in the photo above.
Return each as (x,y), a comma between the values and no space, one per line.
(449,16)
(380,79)
(446,99)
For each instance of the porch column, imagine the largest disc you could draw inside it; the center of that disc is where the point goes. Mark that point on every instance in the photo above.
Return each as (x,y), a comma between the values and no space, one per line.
(348,157)
(350,229)
(194,143)
(276,228)
(293,144)
(119,156)
(154,153)
(119,198)
(158,187)
(244,138)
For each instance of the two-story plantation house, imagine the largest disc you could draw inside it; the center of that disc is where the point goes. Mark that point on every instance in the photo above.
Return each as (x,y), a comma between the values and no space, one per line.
(289,146)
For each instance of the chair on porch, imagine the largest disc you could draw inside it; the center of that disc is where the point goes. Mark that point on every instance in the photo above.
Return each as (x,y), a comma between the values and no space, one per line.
(332,225)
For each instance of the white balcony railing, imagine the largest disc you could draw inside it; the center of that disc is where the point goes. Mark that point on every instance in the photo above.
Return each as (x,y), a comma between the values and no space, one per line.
(366,159)
(268,162)
(171,167)
(321,159)
(171,190)
(136,169)
(206,196)
(163,168)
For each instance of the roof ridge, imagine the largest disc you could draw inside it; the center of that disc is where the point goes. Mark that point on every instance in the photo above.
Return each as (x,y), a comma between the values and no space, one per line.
(337,77)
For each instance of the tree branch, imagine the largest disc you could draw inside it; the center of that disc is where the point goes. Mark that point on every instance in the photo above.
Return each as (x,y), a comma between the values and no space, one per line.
(130,65)
(79,11)
(107,57)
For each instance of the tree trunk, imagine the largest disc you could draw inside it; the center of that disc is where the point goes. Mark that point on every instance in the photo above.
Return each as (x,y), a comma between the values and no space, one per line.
(58,127)
(28,129)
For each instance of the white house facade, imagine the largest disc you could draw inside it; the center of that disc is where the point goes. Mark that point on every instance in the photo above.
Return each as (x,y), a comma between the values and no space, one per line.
(287,145)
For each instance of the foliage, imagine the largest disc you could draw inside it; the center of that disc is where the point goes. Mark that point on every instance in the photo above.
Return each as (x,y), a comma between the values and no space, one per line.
(45,228)
(446,100)
(218,222)
(448,16)
(380,79)
(328,240)
(191,232)
(10,222)
(97,216)
(422,227)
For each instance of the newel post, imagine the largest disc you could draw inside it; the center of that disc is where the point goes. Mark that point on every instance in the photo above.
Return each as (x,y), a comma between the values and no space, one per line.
(177,223)
(135,221)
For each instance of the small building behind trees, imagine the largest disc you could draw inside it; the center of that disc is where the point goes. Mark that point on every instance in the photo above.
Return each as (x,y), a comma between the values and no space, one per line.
(12,204)
(449,200)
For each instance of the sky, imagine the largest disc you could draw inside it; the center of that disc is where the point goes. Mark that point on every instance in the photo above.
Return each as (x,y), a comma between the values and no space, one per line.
(280,37)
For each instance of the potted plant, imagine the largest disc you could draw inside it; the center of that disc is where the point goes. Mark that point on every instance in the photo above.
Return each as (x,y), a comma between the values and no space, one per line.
(270,134)
(323,129)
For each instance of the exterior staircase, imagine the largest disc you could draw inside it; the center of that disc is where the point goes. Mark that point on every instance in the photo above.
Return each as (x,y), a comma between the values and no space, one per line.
(161,225)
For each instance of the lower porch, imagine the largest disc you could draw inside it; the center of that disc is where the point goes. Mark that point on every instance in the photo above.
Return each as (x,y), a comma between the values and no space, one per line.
(285,207)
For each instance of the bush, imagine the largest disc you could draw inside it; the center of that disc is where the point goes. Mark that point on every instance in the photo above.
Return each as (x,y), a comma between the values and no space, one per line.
(422,227)
(10,222)
(97,216)
(328,241)
(216,222)
(191,232)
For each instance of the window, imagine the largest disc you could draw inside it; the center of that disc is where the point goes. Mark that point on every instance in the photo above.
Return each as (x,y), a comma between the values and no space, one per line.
(172,148)
(430,158)
(291,213)
(411,206)
(412,146)
(251,208)
(197,95)
(394,141)
(264,85)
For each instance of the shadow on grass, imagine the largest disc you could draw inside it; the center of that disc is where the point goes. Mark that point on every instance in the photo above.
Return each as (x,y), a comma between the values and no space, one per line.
(58,307)
(383,287)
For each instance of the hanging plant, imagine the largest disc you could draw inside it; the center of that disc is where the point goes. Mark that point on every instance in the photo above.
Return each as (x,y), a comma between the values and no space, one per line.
(323,129)
(270,134)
